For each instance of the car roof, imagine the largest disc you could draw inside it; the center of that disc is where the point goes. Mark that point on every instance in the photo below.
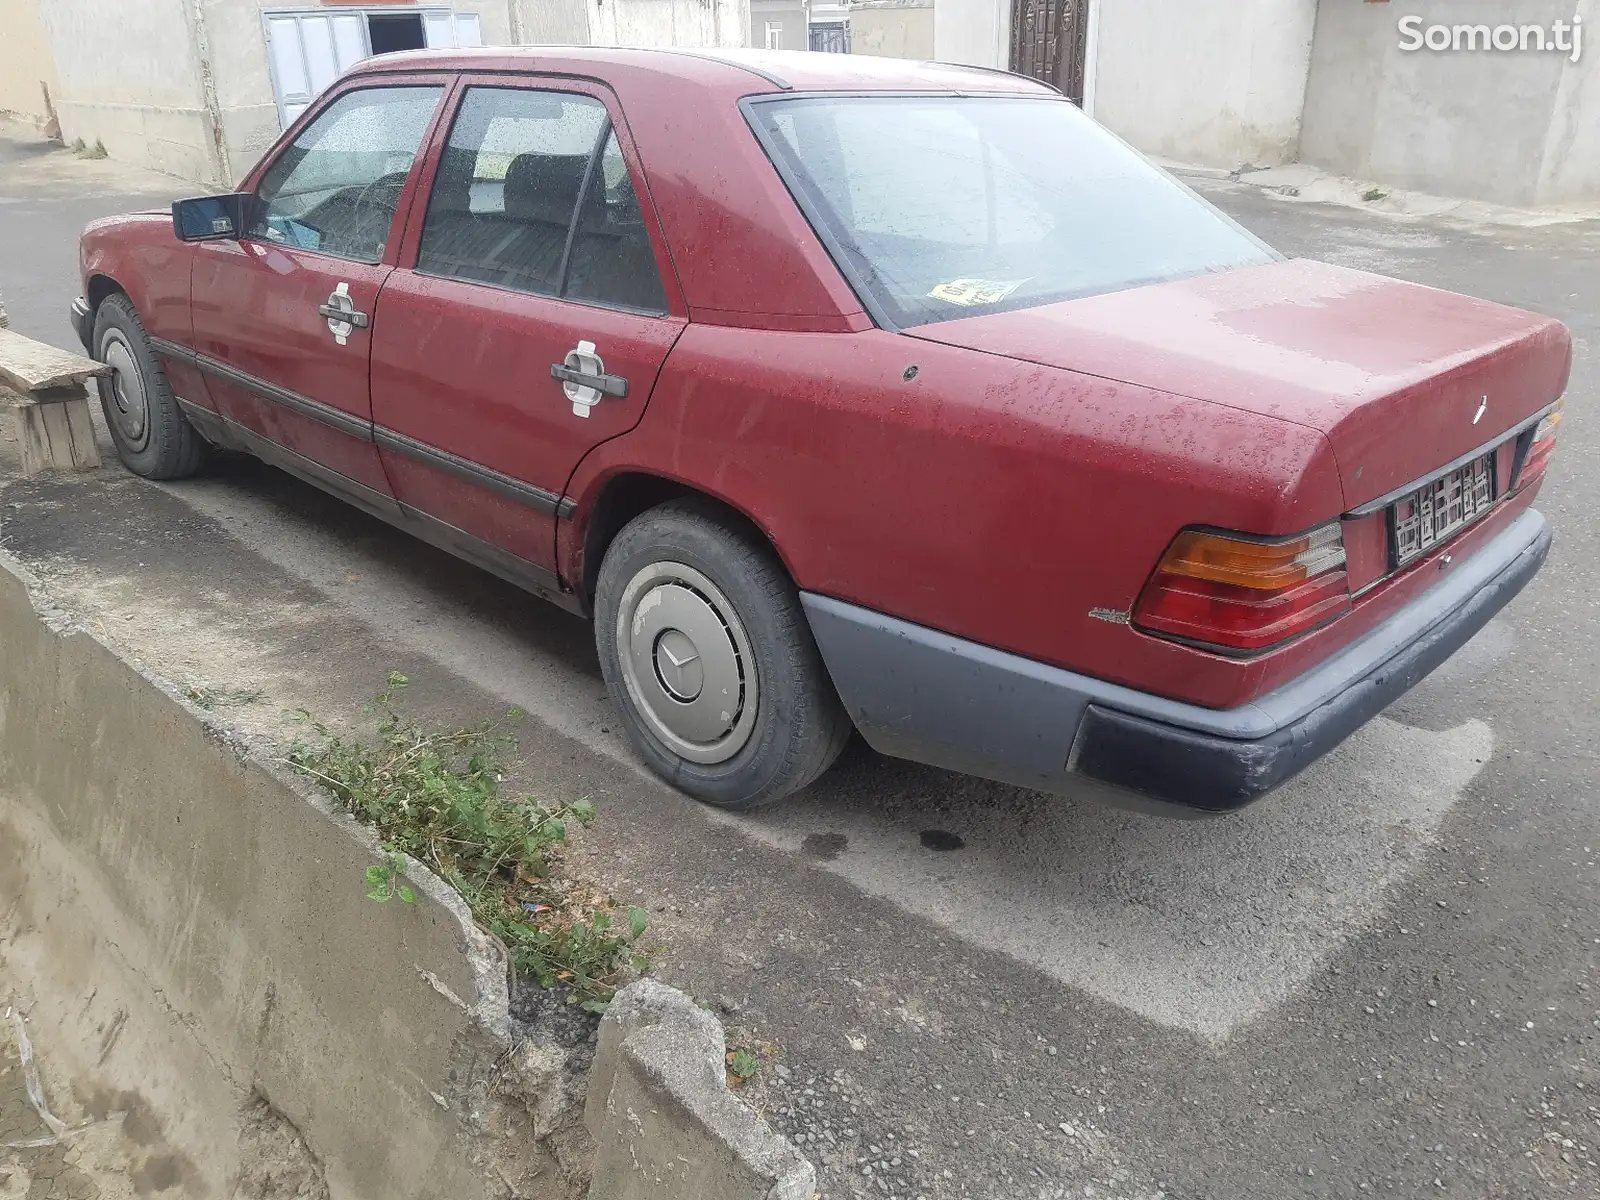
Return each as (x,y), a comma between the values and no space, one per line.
(735,71)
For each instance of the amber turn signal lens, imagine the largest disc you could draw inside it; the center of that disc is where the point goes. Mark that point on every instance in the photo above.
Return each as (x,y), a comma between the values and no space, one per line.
(1270,566)
(1246,596)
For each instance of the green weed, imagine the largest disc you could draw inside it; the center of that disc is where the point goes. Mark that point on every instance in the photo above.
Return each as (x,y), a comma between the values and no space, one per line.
(1372,194)
(435,796)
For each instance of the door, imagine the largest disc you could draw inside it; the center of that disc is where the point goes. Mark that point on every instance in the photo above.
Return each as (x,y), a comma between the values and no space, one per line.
(1050,41)
(282,317)
(534,321)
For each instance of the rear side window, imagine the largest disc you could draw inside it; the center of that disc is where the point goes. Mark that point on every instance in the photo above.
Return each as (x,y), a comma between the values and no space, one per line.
(335,187)
(505,206)
(939,207)
(612,262)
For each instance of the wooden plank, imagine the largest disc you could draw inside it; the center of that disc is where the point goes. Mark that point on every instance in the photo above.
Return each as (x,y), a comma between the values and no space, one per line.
(31,366)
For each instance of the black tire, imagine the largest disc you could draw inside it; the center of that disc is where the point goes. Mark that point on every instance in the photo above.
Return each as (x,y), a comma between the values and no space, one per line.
(691,553)
(153,437)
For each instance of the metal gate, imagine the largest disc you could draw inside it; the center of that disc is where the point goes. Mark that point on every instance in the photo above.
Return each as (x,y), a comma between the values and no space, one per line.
(1050,41)
(831,38)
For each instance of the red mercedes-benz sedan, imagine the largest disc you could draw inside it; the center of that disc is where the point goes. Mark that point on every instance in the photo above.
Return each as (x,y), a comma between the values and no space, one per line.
(849,393)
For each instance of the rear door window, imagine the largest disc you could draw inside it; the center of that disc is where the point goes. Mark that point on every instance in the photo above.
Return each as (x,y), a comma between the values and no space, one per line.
(505,205)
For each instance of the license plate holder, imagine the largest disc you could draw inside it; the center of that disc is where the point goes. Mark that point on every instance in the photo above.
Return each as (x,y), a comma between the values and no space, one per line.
(1440,509)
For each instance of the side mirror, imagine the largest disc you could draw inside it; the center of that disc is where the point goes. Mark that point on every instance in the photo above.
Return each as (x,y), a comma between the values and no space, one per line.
(209,218)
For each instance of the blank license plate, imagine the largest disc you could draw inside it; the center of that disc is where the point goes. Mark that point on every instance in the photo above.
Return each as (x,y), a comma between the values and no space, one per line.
(1436,511)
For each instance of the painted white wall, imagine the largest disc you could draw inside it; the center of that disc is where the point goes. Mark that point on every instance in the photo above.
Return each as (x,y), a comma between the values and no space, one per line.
(977,32)
(1212,82)
(668,22)
(1510,127)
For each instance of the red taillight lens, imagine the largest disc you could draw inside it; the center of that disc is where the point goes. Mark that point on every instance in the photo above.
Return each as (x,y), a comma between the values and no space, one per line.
(1544,445)
(1243,595)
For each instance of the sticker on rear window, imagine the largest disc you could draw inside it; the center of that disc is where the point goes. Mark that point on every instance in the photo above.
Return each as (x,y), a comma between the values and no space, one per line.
(971,292)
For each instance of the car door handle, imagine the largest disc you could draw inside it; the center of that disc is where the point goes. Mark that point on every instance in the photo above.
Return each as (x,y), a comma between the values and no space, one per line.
(334,313)
(611,385)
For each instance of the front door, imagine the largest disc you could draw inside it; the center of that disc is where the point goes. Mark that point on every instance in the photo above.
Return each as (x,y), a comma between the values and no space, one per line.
(282,317)
(533,323)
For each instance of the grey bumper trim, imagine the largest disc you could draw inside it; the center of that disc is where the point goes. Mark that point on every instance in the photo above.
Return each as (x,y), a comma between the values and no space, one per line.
(82,322)
(919,694)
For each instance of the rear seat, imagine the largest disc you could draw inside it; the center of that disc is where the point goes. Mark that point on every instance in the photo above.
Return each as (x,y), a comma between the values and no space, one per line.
(519,247)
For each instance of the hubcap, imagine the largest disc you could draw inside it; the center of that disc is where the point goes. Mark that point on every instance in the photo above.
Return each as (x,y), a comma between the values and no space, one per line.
(129,409)
(687,663)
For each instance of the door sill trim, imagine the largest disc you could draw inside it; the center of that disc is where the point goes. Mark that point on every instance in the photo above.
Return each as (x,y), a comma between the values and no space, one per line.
(529,576)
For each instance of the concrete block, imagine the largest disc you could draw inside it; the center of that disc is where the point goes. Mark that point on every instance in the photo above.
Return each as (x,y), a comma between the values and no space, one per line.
(665,1125)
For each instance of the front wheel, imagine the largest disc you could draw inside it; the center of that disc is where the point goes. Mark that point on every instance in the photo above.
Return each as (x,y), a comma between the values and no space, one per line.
(709,657)
(153,437)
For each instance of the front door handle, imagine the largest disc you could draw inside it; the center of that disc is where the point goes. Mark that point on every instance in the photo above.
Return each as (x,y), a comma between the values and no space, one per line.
(584,379)
(343,316)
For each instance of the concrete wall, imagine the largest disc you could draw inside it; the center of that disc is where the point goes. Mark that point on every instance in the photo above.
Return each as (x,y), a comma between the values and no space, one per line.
(893,28)
(136,81)
(789,14)
(27,68)
(193,931)
(550,22)
(668,22)
(1213,82)
(972,31)
(132,81)
(1512,127)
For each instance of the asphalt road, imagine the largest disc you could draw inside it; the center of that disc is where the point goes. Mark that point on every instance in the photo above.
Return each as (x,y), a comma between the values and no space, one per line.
(1380,981)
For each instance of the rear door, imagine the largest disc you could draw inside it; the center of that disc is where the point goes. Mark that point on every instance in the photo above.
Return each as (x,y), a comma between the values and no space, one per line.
(282,317)
(530,316)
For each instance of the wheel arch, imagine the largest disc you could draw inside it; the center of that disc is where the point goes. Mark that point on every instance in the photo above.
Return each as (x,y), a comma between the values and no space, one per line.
(630,493)
(98,289)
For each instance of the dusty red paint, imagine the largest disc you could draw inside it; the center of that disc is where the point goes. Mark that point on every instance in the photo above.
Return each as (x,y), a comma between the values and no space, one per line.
(1035,467)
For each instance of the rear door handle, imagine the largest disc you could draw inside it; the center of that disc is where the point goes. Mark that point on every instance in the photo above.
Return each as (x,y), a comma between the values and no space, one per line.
(334,313)
(611,385)
(583,378)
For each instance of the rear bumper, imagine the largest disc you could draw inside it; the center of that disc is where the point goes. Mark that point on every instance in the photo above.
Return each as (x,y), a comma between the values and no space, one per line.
(83,322)
(922,695)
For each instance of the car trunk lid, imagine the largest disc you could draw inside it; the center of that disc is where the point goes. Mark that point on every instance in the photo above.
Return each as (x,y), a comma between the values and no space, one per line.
(1401,378)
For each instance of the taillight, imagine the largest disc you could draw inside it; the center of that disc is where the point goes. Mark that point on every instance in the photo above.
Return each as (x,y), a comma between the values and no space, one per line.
(1236,594)
(1544,444)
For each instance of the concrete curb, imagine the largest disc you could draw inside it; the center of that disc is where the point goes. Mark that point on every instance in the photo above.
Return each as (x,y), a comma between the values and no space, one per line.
(249,974)
(664,1123)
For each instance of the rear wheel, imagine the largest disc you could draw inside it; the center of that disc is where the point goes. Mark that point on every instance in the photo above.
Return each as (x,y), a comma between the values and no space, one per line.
(153,437)
(709,657)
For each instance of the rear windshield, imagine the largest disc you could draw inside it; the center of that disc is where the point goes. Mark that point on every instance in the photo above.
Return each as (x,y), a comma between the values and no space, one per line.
(949,206)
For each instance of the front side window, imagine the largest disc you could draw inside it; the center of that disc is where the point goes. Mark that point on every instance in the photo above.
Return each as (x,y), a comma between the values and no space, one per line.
(943,206)
(505,204)
(335,188)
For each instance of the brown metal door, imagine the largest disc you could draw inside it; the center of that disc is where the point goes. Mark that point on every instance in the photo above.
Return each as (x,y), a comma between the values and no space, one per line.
(1050,41)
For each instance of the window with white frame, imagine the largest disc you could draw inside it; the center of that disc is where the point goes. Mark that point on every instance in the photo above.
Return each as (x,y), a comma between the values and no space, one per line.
(774,35)
(308,50)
